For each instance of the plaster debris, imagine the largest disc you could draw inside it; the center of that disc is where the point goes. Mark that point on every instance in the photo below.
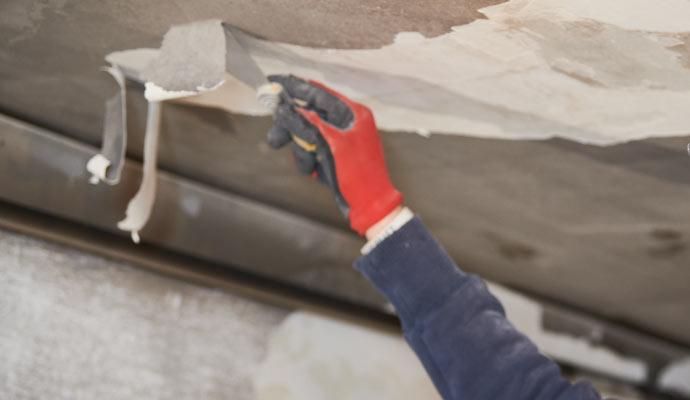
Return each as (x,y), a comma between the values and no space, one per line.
(594,72)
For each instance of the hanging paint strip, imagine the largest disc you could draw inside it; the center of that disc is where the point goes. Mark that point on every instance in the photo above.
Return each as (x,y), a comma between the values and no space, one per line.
(107,165)
(139,208)
(168,74)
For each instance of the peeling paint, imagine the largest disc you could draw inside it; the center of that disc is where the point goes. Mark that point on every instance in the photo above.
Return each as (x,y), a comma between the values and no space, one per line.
(596,72)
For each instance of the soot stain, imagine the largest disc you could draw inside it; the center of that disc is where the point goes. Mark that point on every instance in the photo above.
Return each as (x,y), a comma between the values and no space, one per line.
(669,243)
(665,234)
(667,250)
(512,249)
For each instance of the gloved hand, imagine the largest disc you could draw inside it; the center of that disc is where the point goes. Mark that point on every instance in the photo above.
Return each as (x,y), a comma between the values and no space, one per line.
(335,140)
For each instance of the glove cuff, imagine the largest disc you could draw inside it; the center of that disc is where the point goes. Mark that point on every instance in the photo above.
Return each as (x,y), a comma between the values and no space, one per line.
(364,218)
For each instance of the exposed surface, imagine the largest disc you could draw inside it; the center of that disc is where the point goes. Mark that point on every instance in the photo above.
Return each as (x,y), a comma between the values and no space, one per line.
(603,229)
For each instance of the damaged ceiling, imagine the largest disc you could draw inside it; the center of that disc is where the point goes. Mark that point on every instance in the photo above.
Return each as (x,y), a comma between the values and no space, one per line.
(602,229)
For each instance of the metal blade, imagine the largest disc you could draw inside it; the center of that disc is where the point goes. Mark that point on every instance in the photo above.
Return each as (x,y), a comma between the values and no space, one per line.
(238,62)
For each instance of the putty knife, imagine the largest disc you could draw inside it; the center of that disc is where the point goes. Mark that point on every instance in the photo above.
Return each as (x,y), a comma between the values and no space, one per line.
(240,65)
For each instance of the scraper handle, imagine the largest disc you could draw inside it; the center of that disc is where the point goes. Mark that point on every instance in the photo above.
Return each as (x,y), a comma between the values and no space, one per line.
(269,95)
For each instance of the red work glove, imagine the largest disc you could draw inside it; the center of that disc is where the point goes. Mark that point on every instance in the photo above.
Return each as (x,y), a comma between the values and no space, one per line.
(335,140)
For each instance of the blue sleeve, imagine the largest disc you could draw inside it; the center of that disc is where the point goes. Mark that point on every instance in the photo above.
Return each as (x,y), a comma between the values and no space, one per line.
(457,328)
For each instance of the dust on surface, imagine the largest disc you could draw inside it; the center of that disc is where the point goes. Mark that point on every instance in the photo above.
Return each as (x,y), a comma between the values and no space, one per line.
(192,56)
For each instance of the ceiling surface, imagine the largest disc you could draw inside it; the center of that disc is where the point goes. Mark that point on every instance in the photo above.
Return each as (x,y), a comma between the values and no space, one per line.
(602,229)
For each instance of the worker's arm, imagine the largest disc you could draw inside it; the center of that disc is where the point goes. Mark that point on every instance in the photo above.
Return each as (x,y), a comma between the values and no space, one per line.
(456,327)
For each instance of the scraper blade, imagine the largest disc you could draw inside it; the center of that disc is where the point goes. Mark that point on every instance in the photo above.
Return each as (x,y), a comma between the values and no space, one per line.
(241,65)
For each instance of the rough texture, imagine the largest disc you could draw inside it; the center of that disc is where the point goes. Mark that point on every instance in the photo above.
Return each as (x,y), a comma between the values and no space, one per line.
(192,56)
(76,326)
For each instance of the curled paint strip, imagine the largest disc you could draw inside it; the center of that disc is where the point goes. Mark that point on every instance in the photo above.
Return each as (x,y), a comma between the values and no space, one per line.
(107,165)
(140,206)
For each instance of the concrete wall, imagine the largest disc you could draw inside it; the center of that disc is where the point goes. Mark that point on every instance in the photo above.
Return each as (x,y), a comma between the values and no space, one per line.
(76,326)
